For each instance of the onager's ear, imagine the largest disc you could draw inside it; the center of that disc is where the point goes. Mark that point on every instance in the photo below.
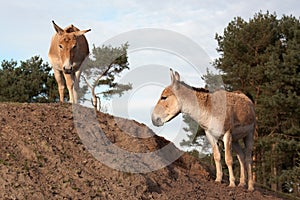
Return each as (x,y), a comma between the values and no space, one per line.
(79,33)
(59,30)
(175,78)
(172,76)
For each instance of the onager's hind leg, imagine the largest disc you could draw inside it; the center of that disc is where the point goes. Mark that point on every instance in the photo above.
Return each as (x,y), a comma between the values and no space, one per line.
(228,157)
(241,157)
(248,159)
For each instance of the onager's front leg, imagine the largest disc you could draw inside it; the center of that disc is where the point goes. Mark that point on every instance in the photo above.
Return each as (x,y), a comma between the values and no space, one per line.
(61,85)
(217,158)
(76,85)
(70,85)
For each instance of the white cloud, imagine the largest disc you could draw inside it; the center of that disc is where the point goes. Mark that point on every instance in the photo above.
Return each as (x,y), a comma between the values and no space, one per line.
(27,24)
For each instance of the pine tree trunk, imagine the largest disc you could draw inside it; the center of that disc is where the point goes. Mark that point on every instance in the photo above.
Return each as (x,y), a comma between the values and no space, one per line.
(274,170)
(264,172)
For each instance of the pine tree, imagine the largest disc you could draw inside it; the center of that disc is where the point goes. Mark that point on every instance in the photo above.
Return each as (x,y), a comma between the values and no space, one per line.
(196,141)
(103,68)
(261,57)
(29,82)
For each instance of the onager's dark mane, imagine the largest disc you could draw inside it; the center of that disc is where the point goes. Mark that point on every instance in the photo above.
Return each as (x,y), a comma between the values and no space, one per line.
(71,29)
(194,88)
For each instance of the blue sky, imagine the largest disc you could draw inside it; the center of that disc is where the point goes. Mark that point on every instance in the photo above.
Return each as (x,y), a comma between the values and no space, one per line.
(26,30)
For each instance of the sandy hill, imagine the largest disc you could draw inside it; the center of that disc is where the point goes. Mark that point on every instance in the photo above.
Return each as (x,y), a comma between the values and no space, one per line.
(43,157)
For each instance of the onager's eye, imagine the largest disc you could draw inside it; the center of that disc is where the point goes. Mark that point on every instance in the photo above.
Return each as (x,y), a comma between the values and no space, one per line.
(60,46)
(74,46)
(163,98)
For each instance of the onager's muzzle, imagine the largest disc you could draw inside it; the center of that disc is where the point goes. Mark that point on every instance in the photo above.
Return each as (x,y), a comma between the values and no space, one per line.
(157,121)
(68,70)
(68,66)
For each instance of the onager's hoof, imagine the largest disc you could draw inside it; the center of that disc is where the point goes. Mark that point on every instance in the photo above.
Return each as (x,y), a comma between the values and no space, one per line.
(241,185)
(218,181)
(250,188)
(231,185)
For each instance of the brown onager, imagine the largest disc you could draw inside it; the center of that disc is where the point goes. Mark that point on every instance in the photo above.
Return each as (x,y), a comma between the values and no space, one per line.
(68,50)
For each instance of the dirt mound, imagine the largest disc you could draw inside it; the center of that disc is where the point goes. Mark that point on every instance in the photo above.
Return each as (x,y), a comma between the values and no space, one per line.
(43,157)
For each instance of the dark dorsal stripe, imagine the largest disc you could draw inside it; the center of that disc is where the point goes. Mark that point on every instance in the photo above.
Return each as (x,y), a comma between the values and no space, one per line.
(194,88)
